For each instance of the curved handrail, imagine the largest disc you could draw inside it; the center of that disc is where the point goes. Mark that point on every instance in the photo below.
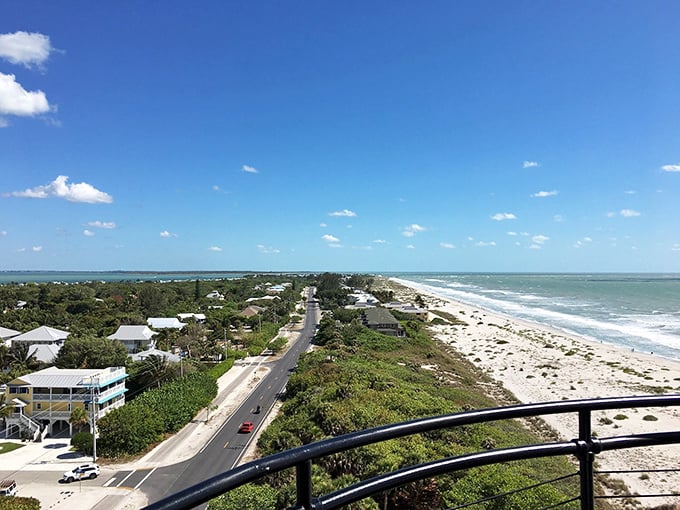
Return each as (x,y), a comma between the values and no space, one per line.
(302,456)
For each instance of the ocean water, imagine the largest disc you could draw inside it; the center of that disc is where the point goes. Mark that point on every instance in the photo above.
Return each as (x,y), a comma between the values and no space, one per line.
(635,311)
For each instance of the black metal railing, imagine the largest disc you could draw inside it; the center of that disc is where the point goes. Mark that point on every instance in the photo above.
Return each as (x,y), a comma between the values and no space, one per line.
(585,448)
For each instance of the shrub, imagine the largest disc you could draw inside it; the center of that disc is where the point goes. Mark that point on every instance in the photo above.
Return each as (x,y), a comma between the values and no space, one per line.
(17,503)
(82,441)
(128,430)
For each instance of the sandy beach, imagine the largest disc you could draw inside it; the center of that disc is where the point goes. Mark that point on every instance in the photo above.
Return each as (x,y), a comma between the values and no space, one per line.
(539,364)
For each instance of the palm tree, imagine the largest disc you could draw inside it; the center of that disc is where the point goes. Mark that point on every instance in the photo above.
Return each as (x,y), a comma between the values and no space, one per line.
(78,418)
(6,410)
(21,360)
(157,369)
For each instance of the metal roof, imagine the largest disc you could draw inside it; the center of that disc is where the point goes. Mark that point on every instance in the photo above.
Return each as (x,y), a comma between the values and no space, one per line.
(132,333)
(54,377)
(165,323)
(43,333)
(8,333)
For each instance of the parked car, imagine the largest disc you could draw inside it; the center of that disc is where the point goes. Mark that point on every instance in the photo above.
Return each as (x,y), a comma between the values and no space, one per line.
(81,472)
(246,427)
(8,488)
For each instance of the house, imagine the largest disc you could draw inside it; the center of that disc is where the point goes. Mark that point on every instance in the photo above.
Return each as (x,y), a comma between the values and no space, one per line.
(263,298)
(362,299)
(198,317)
(7,334)
(421,313)
(44,335)
(43,400)
(382,321)
(252,311)
(141,356)
(44,353)
(134,338)
(165,323)
(215,295)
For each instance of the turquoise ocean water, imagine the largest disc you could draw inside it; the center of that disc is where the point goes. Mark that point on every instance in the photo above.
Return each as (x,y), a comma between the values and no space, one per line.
(636,311)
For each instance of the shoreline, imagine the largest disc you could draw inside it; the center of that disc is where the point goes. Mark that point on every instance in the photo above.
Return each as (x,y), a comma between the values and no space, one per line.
(539,363)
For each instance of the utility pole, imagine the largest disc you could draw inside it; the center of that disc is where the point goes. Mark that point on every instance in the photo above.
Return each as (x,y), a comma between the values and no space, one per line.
(94,391)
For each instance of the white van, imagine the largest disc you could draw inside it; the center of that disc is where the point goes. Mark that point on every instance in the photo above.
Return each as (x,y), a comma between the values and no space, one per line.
(8,488)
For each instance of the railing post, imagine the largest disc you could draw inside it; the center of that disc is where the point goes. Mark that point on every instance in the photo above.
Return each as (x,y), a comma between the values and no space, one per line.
(303,484)
(586,458)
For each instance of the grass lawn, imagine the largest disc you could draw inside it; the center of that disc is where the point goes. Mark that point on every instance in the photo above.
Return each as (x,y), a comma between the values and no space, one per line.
(8,447)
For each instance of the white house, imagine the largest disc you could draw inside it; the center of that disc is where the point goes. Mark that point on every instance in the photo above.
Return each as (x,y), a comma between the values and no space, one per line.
(7,334)
(44,335)
(140,356)
(165,323)
(135,338)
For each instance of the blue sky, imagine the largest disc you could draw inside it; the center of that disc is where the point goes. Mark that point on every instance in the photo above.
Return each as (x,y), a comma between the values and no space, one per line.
(343,136)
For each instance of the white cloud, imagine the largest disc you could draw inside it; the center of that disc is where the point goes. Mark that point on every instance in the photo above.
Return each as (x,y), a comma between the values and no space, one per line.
(629,213)
(323,225)
(410,247)
(215,187)
(530,164)
(88,233)
(558,218)
(503,216)
(535,247)
(485,243)
(671,168)
(630,192)
(379,241)
(412,229)
(511,233)
(166,233)
(345,212)
(3,123)
(80,192)
(102,224)
(15,100)
(330,239)
(542,194)
(37,248)
(448,246)
(215,248)
(611,214)
(676,247)
(267,249)
(250,169)
(28,49)
(539,239)
(582,242)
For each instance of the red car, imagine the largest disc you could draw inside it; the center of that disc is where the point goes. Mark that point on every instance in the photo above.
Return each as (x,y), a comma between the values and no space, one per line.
(246,427)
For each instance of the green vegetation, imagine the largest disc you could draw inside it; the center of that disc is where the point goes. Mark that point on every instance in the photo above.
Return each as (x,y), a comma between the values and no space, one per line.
(82,442)
(19,503)
(8,447)
(92,311)
(131,429)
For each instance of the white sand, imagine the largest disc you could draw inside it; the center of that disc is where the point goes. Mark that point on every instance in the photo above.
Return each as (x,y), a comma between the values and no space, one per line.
(540,364)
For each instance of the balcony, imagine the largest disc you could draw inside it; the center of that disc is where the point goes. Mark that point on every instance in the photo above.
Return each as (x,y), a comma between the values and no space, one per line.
(80,397)
(584,448)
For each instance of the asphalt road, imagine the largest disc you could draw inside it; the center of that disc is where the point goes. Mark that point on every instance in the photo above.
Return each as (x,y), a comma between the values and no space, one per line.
(227,445)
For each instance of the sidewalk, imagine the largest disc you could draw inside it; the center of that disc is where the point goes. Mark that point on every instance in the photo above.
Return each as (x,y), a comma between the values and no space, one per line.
(37,467)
